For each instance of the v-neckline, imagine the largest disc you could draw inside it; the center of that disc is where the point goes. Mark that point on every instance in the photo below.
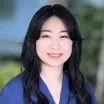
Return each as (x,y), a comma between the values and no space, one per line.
(45,90)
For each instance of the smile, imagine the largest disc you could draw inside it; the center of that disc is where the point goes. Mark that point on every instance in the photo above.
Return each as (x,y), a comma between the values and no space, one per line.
(55,55)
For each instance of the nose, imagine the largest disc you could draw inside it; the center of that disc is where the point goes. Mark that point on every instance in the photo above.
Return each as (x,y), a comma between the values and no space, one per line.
(55,44)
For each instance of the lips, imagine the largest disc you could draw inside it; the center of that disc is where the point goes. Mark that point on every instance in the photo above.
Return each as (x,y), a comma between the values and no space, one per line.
(55,55)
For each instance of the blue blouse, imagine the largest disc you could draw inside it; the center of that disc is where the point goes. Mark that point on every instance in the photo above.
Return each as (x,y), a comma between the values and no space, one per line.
(12,93)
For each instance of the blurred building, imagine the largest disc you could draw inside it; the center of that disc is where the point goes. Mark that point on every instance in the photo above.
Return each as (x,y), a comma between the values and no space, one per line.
(15,16)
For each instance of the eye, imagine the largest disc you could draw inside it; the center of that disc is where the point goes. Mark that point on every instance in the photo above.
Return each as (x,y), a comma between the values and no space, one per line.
(64,36)
(45,36)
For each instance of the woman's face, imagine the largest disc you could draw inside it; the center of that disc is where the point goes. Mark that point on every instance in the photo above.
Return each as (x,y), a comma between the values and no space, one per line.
(54,46)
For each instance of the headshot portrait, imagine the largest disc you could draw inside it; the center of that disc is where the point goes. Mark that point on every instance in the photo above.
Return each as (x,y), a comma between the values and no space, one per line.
(50,62)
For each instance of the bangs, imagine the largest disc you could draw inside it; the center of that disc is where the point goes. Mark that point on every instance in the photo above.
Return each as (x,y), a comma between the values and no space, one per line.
(59,11)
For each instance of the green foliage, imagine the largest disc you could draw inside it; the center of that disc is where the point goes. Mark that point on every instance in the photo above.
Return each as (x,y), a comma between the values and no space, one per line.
(8,71)
(90,20)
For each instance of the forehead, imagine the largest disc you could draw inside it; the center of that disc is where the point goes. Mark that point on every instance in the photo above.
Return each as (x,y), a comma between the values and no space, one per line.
(54,23)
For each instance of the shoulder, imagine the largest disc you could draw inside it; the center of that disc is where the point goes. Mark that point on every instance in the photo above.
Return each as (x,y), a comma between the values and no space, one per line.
(91,91)
(16,83)
(89,87)
(12,91)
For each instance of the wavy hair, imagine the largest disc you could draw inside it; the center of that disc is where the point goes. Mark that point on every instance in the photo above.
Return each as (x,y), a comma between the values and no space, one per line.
(32,64)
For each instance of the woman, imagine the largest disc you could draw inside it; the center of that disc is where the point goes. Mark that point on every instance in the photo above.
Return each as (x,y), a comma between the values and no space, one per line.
(51,56)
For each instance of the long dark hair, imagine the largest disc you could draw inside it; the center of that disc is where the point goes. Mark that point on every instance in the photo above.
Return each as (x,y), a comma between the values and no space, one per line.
(32,64)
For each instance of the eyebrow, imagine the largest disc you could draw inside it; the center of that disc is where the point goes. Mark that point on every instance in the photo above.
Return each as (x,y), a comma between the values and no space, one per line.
(46,31)
(63,31)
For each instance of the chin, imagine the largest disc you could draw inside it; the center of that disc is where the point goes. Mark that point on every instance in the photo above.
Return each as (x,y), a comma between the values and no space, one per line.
(55,64)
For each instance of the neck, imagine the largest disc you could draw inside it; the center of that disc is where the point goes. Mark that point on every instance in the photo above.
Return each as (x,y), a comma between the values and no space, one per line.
(52,73)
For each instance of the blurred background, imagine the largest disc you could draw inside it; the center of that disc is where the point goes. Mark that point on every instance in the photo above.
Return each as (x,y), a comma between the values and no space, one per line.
(15,16)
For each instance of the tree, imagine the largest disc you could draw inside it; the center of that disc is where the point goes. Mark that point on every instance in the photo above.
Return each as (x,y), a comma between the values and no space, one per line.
(91,23)
(100,73)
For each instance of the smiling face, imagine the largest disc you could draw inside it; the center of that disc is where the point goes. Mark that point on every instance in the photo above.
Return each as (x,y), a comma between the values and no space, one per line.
(54,46)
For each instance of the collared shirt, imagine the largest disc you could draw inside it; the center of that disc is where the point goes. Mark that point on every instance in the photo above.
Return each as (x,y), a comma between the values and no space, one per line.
(12,93)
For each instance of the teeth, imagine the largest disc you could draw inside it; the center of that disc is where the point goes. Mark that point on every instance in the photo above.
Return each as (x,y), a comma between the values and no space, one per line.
(54,54)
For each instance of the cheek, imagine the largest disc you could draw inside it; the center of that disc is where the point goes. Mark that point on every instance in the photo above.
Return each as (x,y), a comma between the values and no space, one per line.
(67,48)
(67,45)
(41,45)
